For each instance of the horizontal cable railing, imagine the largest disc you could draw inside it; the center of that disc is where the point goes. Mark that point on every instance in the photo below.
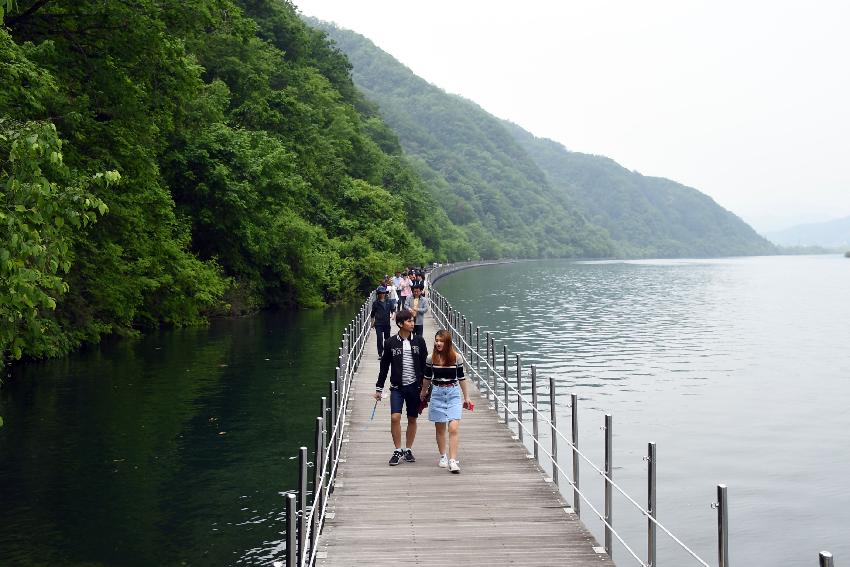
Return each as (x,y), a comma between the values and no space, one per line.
(460,329)
(305,520)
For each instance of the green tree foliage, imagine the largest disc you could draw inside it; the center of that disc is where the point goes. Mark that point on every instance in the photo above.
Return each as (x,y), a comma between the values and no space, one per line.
(43,207)
(252,172)
(486,184)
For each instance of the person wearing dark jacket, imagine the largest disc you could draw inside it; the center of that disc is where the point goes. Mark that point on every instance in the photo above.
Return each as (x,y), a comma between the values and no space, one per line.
(404,359)
(380,317)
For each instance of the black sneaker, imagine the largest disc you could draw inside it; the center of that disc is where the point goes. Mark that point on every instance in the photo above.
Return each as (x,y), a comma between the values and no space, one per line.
(408,456)
(396,458)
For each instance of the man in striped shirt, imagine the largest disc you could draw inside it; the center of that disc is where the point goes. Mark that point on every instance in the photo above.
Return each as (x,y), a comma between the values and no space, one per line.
(404,358)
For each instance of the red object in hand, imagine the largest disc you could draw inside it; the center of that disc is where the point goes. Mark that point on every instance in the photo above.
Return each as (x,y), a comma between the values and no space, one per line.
(422,405)
(468,405)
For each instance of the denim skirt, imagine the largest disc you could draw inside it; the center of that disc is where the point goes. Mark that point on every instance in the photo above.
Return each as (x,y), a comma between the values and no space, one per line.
(445,404)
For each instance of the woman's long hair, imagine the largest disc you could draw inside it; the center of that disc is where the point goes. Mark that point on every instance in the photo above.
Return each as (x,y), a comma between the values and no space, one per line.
(448,357)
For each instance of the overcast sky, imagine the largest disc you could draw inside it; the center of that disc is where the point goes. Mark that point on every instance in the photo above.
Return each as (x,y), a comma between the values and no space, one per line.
(747,101)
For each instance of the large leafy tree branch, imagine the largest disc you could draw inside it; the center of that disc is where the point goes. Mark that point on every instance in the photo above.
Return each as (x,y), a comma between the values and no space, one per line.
(43,207)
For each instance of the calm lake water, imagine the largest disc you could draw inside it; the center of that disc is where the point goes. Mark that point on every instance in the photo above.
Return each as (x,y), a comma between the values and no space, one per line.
(739,370)
(173,449)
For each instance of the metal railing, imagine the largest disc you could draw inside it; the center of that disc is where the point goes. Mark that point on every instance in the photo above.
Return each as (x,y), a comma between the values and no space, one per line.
(307,511)
(462,335)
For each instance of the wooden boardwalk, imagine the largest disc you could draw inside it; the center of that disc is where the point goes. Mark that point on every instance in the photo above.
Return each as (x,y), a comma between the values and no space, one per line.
(499,511)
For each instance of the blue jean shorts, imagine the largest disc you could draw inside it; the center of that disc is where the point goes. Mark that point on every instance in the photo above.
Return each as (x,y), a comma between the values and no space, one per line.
(405,396)
(445,404)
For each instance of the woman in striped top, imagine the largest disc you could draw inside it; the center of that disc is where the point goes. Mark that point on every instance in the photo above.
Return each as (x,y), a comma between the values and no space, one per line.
(444,371)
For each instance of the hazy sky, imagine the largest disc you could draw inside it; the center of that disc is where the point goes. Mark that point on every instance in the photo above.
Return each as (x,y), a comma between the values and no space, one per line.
(747,101)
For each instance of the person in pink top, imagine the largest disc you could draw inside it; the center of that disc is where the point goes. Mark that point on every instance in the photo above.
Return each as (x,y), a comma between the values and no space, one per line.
(406,292)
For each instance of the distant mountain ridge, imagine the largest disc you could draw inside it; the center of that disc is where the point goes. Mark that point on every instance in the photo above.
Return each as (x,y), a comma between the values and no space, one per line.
(482,168)
(829,234)
(646,216)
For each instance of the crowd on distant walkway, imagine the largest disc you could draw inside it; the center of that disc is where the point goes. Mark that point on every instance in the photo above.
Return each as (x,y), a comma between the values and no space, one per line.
(407,290)
(417,378)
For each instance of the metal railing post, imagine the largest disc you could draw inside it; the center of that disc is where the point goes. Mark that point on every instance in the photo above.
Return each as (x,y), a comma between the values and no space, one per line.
(495,374)
(650,507)
(302,501)
(478,356)
(291,513)
(344,359)
(574,416)
(535,409)
(332,425)
(553,418)
(465,337)
(360,339)
(317,481)
(825,559)
(519,396)
(326,475)
(722,526)
(324,414)
(505,382)
(609,468)
(487,362)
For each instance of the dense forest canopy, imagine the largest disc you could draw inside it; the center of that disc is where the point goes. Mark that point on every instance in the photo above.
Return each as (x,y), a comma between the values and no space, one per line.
(165,161)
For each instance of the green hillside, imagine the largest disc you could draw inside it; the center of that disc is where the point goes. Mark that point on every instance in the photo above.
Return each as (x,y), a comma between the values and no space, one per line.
(166,161)
(470,153)
(484,180)
(646,216)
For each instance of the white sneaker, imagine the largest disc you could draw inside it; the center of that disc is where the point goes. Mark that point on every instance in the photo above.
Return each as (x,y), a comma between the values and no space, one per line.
(444,462)
(454,466)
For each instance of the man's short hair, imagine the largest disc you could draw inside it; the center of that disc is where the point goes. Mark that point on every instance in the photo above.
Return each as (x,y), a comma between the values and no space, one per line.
(402,316)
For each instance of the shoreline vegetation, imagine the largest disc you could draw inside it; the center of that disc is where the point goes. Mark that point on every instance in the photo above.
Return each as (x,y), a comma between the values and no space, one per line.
(164,163)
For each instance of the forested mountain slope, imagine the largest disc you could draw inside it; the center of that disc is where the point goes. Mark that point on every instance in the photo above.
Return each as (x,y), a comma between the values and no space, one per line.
(485,181)
(162,161)
(646,216)
(469,151)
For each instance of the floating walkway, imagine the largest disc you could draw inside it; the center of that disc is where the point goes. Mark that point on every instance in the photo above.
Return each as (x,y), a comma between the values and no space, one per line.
(501,509)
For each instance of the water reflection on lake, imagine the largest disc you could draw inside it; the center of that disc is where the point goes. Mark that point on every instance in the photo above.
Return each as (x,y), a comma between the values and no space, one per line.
(737,368)
(168,450)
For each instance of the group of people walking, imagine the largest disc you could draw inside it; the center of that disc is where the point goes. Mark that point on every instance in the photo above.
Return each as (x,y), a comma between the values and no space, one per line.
(418,379)
(406,291)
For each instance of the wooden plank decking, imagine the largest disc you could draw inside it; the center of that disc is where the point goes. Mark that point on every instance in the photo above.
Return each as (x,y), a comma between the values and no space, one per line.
(498,511)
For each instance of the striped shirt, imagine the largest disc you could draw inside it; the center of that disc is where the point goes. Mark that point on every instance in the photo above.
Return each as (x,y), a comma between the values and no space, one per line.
(444,374)
(408,374)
